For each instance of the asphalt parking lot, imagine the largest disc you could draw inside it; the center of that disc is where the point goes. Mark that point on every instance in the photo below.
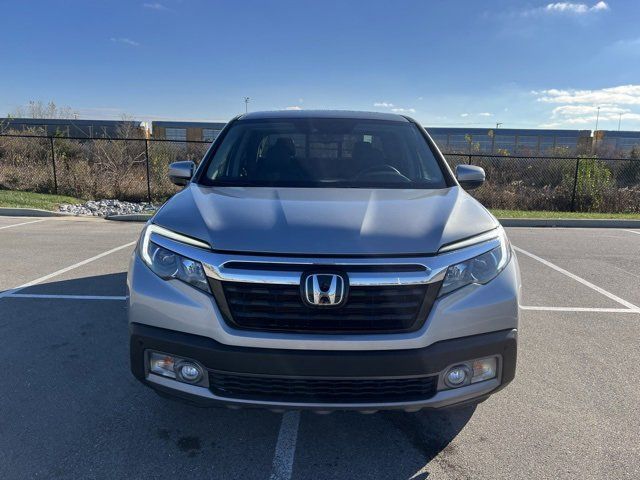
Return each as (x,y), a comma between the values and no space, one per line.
(71,409)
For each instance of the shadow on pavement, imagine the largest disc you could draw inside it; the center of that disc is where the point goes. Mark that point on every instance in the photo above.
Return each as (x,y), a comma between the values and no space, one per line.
(109,284)
(79,412)
(347,445)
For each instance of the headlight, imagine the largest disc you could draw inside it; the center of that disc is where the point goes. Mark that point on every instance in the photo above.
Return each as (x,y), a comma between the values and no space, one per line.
(480,269)
(168,264)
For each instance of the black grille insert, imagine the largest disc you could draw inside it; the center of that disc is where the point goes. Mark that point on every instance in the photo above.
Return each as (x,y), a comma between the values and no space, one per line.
(310,390)
(379,309)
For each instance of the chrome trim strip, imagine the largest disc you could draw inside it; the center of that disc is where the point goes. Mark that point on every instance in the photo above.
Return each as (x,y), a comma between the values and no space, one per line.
(435,266)
(440,399)
(483,237)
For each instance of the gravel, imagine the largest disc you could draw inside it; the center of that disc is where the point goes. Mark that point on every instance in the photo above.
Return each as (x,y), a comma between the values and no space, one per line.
(103,208)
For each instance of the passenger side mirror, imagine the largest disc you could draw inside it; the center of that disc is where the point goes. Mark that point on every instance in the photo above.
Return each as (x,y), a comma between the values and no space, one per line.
(470,176)
(181,172)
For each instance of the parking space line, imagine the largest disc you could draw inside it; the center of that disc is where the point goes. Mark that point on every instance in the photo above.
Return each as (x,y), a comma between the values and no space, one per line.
(579,309)
(581,280)
(67,297)
(12,291)
(282,466)
(23,223)
(633,231)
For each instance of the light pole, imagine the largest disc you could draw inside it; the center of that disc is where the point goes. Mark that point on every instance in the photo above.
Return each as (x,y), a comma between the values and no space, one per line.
(498,125)
(246,104)
(619,121)
(597,118)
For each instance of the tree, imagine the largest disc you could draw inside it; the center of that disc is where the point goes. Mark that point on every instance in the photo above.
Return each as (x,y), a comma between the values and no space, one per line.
(37,109)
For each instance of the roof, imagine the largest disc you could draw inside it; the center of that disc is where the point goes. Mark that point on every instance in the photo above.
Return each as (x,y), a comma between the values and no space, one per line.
(508,131)
(619,134)
(66,121)
(323,114)
(170,124)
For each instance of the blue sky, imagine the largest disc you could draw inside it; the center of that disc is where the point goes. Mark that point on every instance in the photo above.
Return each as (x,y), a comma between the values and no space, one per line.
(446,63)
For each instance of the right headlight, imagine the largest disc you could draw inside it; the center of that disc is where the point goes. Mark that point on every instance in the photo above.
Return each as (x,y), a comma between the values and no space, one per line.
(168,264)
(480,269)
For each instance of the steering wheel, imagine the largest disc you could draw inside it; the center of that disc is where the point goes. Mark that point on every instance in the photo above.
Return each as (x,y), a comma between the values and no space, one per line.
(381,170)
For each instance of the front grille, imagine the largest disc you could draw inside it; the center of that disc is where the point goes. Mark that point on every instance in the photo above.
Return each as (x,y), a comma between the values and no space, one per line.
(270,307)
(310,390)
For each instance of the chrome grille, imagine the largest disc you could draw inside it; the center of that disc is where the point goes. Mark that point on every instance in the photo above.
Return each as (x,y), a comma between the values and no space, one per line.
(367,309)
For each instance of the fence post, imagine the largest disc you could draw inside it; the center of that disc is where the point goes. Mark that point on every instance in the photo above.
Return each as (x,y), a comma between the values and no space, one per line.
(575,186)
(469,159)
(53,163)
(146,154)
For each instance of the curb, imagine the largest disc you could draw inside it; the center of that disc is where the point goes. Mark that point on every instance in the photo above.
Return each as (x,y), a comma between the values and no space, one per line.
(31,212)
(569,222)
(131,217)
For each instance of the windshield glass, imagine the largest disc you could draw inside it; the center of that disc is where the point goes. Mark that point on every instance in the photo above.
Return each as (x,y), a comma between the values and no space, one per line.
(324,153)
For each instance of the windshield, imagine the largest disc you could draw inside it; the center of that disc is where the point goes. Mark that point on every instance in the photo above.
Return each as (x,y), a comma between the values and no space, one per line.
(324,153)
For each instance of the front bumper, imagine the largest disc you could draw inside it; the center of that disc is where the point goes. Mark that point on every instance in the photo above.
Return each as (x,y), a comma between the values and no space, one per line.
(326,364)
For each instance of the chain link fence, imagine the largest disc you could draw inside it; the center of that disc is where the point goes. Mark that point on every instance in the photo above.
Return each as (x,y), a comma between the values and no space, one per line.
(130,169)
(583,184)
(136,170)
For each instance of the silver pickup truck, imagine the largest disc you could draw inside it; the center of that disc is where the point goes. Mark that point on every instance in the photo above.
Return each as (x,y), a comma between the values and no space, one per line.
(324,260)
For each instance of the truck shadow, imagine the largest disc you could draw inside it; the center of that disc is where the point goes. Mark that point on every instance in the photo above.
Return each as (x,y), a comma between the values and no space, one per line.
(347,445)
(75,334)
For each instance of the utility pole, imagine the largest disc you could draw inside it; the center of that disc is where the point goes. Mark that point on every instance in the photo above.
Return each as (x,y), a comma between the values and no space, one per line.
(246,104)
(619,121)
(597,118)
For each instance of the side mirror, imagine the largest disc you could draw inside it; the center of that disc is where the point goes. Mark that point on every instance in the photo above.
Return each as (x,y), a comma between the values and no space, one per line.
(470,176)
(181,172)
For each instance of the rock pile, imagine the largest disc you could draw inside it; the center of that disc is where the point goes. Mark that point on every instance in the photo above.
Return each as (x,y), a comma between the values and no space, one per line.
(103,208)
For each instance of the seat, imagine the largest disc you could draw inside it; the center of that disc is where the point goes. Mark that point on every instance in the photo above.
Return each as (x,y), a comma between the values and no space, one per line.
(279,163)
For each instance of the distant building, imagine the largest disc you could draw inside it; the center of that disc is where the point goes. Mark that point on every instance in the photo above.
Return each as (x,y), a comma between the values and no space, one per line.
(512,141)
(74,128)
(187,131)
(613,143)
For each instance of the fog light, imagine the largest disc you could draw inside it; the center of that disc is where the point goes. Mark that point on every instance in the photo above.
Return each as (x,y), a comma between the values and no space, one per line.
(162,364)
(457,376)
(484,369)
(189,372)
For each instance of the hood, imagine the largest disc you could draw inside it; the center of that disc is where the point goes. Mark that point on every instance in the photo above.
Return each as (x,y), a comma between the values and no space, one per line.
(325,221)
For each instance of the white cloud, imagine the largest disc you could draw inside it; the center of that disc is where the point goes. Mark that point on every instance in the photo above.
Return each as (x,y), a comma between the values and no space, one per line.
(579,8)
(621,95)
(569,8)
(486,114)
(584,107)
(383,104)
(403,110)
(155,6)
(464,114)
(294,107)
(125,41)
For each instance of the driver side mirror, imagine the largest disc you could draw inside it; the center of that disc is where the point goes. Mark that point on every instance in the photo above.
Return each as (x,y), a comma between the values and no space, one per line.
(470,176)
(181,172)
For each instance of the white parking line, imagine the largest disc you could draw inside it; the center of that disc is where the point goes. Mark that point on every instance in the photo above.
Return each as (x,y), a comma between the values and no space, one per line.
(579,309)
(602,291)
(633,231)
(282,466)
(12,291)
(67,297)
(23,223)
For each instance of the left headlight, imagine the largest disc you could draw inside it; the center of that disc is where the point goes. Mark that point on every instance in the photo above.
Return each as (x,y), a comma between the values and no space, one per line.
(480,269)
(171,265)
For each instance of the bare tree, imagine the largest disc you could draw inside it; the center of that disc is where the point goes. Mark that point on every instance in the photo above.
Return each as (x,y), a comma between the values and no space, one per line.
(38,109)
